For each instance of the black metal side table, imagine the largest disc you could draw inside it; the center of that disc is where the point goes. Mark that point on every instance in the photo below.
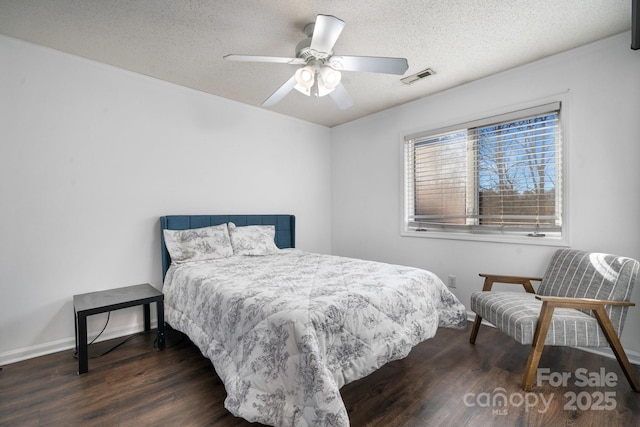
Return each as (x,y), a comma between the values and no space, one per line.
(114,299)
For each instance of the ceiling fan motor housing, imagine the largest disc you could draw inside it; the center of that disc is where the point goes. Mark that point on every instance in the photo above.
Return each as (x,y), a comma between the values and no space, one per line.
(302,49)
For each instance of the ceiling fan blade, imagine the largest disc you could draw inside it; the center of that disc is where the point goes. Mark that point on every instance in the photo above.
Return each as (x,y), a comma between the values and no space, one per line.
(372,64)
(341,97)
(326,31)
(281,92)
(253,58)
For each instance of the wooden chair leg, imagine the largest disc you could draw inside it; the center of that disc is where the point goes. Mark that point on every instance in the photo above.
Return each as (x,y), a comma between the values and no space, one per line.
(475,329)
(539,337)
(616,346)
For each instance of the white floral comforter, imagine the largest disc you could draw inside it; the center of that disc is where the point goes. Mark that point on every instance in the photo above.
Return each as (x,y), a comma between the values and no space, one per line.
(286,331)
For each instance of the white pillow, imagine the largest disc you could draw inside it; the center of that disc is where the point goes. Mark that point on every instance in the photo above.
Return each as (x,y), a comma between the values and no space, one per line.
(198,244)
(253,239)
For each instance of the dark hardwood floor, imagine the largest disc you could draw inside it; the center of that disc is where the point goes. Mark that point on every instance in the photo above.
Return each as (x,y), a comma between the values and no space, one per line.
(444,381)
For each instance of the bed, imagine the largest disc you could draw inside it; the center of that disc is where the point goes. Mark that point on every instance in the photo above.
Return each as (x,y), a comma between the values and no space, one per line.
(286,329)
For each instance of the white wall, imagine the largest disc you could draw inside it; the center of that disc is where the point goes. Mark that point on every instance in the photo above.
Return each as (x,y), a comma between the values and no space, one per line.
(603,179)
(91,156)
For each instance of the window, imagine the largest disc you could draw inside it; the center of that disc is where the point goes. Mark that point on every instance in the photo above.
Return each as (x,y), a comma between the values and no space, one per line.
(499,175)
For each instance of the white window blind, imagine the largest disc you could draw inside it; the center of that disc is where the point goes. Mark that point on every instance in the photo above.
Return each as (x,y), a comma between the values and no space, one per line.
(495,175)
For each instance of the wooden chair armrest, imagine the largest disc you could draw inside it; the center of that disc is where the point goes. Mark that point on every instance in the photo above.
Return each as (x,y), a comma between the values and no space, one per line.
(490,279)
(581,303)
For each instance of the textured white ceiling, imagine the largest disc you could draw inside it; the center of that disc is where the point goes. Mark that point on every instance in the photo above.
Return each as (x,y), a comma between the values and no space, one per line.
(184,41)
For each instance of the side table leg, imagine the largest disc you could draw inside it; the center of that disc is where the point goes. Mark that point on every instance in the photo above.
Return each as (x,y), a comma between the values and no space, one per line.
(75,327)
(160,310)
(147,317)
(83,353)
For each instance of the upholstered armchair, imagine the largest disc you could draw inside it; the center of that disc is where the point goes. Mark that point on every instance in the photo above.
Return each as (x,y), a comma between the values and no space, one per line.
(582,301)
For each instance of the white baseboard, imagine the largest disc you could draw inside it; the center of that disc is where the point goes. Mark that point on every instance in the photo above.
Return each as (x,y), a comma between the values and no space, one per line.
(38,350)
(633,356)
(25,353)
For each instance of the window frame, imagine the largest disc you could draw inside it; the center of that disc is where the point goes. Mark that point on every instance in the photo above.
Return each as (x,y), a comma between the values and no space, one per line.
(492,235)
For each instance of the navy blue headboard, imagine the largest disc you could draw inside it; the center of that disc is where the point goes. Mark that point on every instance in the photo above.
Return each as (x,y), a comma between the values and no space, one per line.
(285,228)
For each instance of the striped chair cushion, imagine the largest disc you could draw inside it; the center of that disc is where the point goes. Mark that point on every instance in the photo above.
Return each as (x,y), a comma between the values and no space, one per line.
(516,314)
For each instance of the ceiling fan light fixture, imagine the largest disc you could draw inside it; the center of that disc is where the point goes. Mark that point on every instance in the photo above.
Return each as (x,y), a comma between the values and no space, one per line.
(305,79)
(305,76)
(328,79)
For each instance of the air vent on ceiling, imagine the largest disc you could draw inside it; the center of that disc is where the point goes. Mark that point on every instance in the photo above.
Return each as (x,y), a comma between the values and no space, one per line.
(417,76)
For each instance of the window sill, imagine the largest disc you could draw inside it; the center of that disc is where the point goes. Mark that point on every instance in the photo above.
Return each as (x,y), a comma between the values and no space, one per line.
(514,238)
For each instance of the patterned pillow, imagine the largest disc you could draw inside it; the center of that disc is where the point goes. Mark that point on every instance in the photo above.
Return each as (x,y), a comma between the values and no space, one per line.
(198,244)
(253,239)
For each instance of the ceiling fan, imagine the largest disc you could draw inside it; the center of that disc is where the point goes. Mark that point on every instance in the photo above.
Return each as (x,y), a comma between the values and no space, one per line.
(319,73)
